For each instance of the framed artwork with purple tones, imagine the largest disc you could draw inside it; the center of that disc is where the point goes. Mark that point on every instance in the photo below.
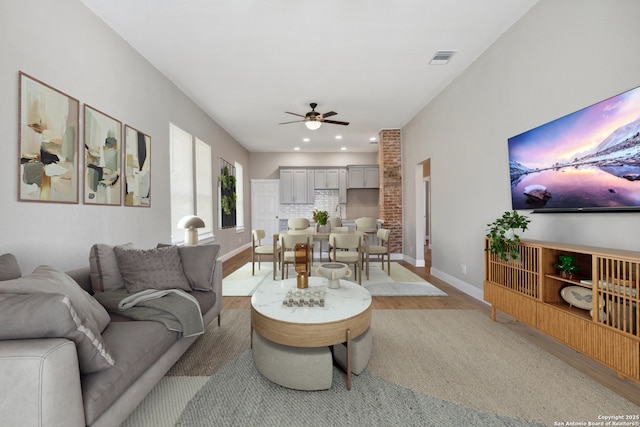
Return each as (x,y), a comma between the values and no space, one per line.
(103,158)
(48,143)
(137,168)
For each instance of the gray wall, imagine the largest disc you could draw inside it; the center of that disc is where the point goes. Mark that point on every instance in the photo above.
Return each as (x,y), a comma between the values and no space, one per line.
(64,45)
(562,56)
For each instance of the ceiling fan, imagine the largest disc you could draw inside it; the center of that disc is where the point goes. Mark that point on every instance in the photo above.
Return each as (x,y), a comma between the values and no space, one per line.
(312,120)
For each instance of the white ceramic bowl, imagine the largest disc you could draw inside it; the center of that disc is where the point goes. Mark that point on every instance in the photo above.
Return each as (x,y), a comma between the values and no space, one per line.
(333,271)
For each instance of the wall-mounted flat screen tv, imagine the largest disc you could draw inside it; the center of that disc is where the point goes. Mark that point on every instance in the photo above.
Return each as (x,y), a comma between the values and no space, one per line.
(587,161)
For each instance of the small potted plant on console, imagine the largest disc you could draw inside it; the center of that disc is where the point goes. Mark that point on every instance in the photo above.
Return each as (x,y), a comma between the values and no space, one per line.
(567,266)
(502,232)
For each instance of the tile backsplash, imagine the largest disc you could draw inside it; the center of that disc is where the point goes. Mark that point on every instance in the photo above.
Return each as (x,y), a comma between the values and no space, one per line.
(325,200)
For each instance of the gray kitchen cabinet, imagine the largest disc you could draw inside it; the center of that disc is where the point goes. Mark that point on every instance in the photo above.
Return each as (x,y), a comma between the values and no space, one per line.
(342,186)
(295,185)
(365,176)
(327,179)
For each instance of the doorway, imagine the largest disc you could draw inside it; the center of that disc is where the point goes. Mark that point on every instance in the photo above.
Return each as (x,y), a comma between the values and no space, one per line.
(426,184)
(423,213)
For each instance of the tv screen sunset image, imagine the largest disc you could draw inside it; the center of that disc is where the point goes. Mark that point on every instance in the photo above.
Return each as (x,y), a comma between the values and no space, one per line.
(587,159)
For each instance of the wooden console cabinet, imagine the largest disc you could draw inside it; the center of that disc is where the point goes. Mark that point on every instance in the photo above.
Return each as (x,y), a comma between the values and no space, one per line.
(528,289)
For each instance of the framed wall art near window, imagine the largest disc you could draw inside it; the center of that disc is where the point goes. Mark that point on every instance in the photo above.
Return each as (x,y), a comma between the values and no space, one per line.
(48,143)
(137,161)
(103,157)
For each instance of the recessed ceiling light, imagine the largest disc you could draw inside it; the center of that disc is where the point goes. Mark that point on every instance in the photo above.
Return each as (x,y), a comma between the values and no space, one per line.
(343,148)
(296,148)
(338,136)
(305,139)
(372,139)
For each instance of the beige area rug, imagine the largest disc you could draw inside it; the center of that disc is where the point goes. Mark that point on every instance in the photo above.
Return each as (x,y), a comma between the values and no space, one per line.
(460,356)
(242,283)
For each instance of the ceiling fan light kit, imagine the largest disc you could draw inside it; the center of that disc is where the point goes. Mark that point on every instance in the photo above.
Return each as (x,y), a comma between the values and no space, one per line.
(312,124)
(313,120)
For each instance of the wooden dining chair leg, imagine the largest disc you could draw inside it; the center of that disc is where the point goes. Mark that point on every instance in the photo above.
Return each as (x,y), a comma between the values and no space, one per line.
(367,261)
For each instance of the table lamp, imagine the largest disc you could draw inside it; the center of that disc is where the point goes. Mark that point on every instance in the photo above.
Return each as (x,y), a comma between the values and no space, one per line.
(191,223)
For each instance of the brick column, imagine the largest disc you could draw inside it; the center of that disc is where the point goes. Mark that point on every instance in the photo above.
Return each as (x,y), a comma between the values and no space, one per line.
(390,162)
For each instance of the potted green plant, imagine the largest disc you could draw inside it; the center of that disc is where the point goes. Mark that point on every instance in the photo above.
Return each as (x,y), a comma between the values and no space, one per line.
(320,218)
(502,234)
(228,191)
(567,266)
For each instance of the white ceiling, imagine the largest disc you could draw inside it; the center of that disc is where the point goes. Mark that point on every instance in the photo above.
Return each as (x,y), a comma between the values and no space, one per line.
(246,62)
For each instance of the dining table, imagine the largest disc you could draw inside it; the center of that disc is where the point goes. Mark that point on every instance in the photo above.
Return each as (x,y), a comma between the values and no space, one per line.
(324,237)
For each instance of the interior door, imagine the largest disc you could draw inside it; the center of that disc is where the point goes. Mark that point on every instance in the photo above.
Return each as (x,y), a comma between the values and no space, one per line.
(265,206)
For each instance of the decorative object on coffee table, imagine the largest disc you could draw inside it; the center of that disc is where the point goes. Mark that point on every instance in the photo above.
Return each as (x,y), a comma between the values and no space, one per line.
(304,298)
(302,264)
(333,271)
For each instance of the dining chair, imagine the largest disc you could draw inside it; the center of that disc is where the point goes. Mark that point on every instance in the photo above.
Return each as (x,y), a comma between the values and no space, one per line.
(347,249)
(309,231)
(298,223)
(288,243)
(258,249)
(337,230)
(381,250)
(366,224)
(335,221)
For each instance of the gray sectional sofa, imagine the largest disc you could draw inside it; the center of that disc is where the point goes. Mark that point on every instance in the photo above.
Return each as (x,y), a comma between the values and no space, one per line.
(63,363)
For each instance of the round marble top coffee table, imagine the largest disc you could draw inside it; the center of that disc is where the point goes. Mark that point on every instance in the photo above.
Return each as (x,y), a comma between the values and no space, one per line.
(346,315)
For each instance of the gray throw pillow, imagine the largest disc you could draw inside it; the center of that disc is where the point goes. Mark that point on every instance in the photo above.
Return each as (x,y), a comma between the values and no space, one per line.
(105,275)
(45,315)
(9,268)
(159,268)
(47,279)
(199,263)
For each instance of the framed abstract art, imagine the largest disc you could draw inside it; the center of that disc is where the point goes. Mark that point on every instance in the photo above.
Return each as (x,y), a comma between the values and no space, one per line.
(137,168)
(103,158)
(48,143)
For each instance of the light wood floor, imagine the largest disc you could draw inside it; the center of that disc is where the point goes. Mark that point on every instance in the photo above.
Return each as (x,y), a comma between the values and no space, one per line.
(461,301)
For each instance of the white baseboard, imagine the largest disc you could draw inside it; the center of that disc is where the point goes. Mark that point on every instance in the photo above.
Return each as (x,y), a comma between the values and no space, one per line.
(459,284)
(409,259)
(234,252)
(453,281)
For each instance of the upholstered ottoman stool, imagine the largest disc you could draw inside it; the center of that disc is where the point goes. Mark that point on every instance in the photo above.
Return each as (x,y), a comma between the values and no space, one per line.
(299,368)
(360,352)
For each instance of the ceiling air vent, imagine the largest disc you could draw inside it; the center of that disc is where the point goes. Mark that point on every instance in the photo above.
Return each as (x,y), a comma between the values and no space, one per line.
(442,57)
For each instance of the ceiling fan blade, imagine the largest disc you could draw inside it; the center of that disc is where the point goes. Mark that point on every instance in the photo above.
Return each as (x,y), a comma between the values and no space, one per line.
(295,121)
(329,114)
(295,114)
(334,122)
